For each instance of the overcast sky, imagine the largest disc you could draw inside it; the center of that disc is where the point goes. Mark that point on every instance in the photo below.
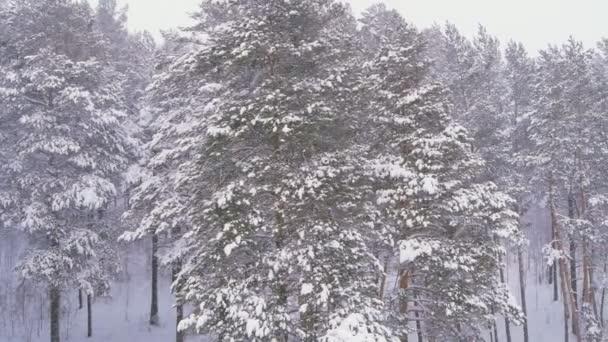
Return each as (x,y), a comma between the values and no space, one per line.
(536,23)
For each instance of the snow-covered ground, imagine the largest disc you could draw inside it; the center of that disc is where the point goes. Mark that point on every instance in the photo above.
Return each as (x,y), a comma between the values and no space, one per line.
(545,316)
(123,317)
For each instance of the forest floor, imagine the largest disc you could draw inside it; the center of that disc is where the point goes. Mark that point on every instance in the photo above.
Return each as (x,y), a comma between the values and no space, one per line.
(123,316)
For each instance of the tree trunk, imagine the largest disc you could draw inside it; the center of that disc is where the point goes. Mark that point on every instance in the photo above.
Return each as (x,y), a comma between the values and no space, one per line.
(154,302)
(89,316)
(418,324)
(79,299)
(179,335)
(566,332)
(593,287)
(495,328)
(55,302)
(573,286)
(567,293)
(603,299)
(507,324)
(383,280)
(554,266)
(404,281)
(587,294)
(555,287)
(588,289)
(179,309)
(282,291)
(602,306)
(522,291)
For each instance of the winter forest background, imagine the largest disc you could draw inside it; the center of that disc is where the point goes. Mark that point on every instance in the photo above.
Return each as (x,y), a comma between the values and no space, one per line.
(286,170)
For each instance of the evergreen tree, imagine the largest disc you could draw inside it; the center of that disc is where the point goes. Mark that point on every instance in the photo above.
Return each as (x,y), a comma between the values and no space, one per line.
(69,146)
(519,74)
(173,124)
(446,219)
(561,130)
(275,250)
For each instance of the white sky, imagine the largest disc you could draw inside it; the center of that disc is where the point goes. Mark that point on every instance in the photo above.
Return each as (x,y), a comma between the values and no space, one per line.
(536,23)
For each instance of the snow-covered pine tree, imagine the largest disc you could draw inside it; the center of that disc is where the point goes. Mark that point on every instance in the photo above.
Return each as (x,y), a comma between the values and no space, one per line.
(597,197)
(173,120)
(131,54)
(275,251)
(480,85)
(473,73)
(71,148)
(563,135)
(518,75)
(445,218)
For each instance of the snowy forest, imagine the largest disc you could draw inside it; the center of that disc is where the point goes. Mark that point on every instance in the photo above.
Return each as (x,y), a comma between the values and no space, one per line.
(290,170)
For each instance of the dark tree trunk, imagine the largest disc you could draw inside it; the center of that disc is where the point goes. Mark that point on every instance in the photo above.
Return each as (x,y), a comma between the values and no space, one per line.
(602,299)
(89,316)
(55,301)
(179,335)
(522,291)
(494,327)
(602,306)
(418,323)
(154,302)
(404,282)
(571,215)
(418,328)
(179,309)
(566,333)
(79,299)
(507,324)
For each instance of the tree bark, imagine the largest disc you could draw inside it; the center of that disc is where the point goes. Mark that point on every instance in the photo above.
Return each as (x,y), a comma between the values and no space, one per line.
(179,309)
(418,324)
(495,328)
(507,324)
(55,303)
(566,332)
(553,267)
(154,302)
(588,289)
(602,300)
(568,296)
(404,281)
(602,306)
(383,280)
(89,316)
(522,291)
(555,287)
(573,286)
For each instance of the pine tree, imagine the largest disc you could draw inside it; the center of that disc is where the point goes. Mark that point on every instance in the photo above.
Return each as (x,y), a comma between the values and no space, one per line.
(131,54)
(562,132)
(172,121)
(519,75)
(446,219)
(62,105)
(275,250)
